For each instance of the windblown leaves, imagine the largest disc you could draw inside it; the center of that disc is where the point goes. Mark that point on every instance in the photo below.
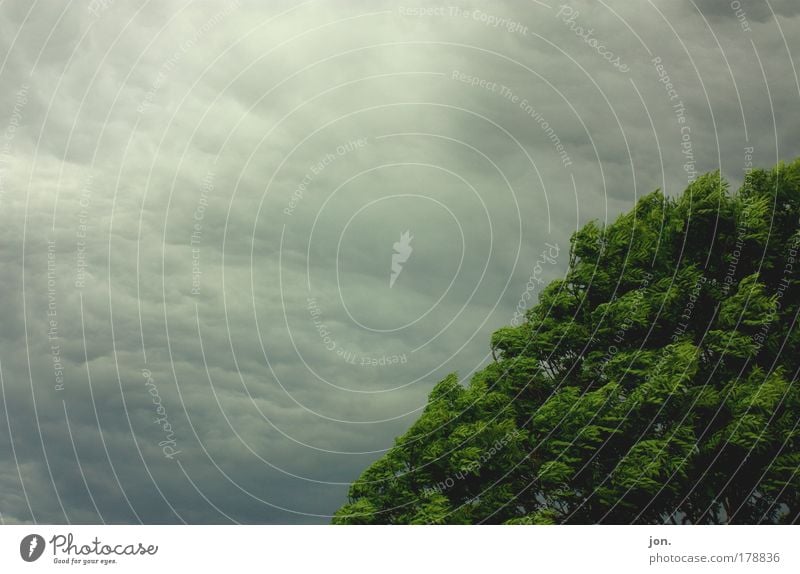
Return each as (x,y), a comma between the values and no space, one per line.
(656,382)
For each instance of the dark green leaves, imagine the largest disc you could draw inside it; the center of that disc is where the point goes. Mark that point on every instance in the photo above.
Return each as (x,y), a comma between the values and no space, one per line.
(657,382)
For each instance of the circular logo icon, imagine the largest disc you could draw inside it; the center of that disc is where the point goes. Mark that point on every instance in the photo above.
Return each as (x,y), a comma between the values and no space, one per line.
(31,547)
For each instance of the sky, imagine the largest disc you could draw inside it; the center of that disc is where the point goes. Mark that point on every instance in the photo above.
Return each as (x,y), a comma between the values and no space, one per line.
(242,241)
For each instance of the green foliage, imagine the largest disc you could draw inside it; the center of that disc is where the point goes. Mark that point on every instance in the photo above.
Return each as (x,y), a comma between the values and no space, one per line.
(656,382)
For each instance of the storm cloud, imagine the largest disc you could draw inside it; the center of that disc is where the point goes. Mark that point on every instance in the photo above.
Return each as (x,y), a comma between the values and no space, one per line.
(210,313)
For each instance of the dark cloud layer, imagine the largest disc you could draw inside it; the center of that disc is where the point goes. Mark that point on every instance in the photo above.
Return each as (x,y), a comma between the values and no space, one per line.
(201,202)
(747,10)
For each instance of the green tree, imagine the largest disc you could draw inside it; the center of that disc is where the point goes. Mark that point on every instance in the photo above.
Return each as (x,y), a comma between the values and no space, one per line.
(656,383)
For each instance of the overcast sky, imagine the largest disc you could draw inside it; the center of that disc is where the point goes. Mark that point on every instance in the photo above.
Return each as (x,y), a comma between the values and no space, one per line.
(208,310)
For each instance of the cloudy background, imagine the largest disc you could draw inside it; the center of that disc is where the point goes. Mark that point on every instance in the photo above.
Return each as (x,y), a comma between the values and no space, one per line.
(200,200)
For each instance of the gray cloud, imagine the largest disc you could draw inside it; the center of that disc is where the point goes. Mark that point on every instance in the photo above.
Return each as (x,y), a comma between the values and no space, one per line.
(747,10)
(136,135)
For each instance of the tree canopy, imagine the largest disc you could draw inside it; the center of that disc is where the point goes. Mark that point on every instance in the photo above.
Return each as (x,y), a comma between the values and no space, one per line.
(657,382)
